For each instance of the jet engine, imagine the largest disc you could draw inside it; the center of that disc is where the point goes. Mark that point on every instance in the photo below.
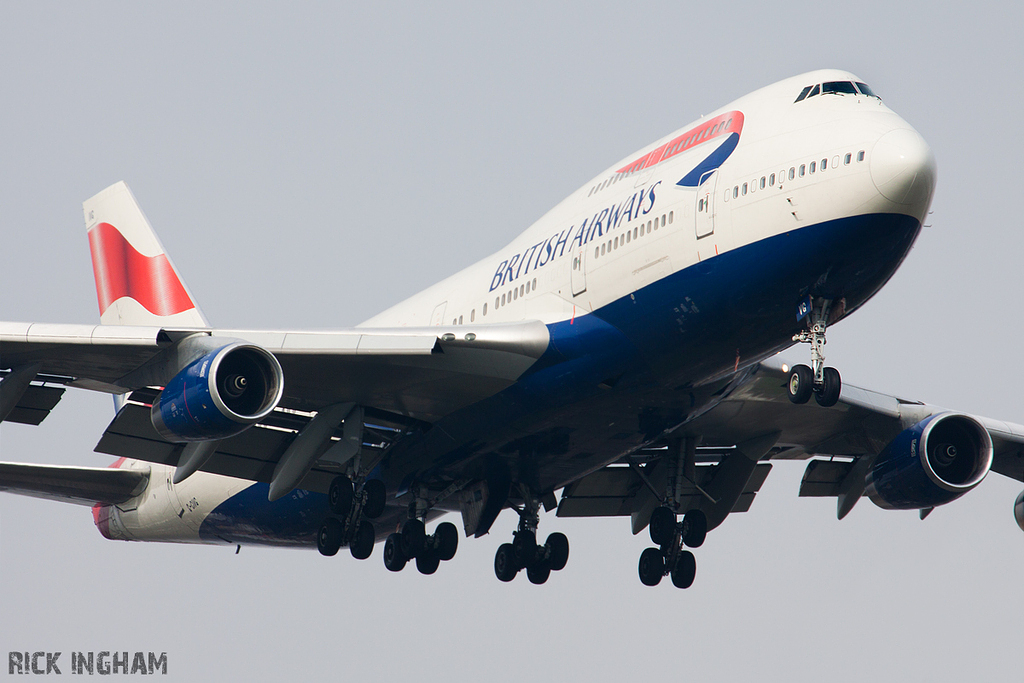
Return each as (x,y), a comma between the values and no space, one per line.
(1018,510)
(932,463)
(219,395)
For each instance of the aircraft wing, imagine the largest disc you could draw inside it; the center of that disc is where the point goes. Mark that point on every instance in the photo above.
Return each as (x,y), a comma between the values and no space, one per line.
(420,373)
(839,441)
(400,377)
(79,485)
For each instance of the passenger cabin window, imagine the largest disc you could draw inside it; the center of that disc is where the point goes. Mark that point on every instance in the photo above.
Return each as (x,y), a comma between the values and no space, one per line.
(860,155)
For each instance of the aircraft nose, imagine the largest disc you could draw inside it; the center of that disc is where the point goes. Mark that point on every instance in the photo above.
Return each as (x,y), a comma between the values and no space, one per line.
(903,167)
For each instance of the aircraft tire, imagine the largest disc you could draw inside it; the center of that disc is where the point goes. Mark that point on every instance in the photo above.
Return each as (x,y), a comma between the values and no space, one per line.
(328,539)
(524,548)
(413,538)
(376,498)
(427,562)
(558,551)
(652,567)
(800,385)
(831,387)
(685,570)
(394,560)
(539,572)
(695,528)
(340,495)
(662,526)
(504,563)
(446,540)
(361,545)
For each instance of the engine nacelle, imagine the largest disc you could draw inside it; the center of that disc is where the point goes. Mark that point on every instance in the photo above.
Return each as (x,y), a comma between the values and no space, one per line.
(1018,510)
(932,463)
(220,395)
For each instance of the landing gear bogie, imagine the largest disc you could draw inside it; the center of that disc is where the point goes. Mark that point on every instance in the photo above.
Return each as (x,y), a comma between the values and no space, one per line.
(670,559)
(413,543)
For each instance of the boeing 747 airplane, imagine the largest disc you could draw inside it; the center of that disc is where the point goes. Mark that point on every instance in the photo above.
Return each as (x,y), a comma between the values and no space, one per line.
(618,358)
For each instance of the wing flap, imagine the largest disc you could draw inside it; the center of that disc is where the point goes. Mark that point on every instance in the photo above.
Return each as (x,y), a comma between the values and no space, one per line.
(35,404)
(619,492)
(79,485)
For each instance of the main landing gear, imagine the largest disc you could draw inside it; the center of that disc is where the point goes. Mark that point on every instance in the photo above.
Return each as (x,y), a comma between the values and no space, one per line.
(349,522)
(413,543)
(669,558)
(524,552)
(825,383)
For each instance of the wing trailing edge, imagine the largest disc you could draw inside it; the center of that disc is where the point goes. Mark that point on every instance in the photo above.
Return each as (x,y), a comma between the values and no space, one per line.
(78,485)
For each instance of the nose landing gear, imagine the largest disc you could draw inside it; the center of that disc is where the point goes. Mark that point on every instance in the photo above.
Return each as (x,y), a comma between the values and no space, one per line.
(823,382)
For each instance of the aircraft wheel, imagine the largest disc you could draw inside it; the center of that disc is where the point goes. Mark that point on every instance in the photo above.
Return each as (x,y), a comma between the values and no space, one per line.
(695,528)
(832,385)
(361,545)
(505,567)
(394,559)
(662,526)
(558,551)
(427,562)
(446,540)
(539,572)
(328,540)
(376,498)
(801,384)
(413,537)
(652,566)
(340,495)
(524,548)
(685,570)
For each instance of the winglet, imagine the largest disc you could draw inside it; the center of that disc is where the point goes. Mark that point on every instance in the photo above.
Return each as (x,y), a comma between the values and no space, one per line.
(136,283)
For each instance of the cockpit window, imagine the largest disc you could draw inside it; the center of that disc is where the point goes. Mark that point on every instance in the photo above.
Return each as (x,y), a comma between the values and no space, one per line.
(838,88)
(835,88)
(865,90)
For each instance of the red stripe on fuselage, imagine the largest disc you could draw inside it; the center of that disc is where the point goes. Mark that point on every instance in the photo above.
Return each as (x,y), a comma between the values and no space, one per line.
(120,271)
(730,122)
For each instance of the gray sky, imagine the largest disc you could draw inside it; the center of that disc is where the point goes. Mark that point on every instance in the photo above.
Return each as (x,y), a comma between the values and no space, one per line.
(308,166)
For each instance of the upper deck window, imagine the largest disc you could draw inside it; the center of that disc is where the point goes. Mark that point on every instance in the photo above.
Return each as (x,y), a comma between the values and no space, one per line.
(838,88)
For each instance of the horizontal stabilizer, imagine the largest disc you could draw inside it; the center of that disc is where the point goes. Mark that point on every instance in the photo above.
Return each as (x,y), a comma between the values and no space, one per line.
(79,485)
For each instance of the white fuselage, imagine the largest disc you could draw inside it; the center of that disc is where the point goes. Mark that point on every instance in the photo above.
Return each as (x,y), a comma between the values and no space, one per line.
(794,164)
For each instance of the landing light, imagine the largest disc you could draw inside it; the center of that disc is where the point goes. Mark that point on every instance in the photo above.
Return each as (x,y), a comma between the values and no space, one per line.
(785,367)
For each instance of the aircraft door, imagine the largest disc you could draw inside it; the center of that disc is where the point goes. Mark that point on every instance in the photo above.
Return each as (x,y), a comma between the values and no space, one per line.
(579,271)
(704,211)
(437,317)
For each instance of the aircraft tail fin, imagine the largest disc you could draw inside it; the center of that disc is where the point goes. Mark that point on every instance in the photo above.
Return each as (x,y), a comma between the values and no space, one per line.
(136,283)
